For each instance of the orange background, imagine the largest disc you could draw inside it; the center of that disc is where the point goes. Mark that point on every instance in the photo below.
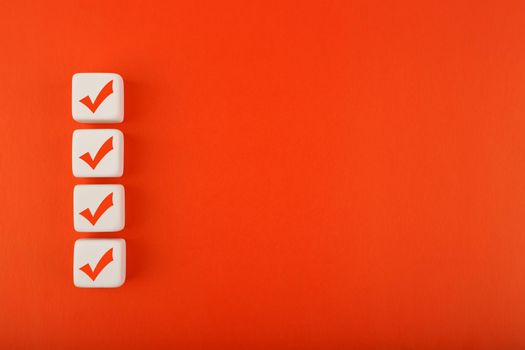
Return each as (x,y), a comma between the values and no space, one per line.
(299,175)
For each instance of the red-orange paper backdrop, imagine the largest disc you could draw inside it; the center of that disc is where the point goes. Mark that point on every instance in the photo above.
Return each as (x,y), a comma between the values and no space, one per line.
(299,174)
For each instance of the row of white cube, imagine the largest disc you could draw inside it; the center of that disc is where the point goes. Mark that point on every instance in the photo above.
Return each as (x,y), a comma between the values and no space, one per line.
(98,98)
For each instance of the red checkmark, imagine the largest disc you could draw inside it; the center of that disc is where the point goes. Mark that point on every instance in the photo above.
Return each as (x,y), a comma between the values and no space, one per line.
(101,153)
(103,206)
(102,95)
(102,263)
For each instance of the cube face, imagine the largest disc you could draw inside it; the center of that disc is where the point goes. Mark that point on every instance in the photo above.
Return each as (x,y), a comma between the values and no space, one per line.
(99,263)
(97,98)
(98,153)
(98,208)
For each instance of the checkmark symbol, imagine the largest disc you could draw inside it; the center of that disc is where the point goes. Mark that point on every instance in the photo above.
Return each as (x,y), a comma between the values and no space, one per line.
(101,97)
(101,153)
(103,206)
(101,265)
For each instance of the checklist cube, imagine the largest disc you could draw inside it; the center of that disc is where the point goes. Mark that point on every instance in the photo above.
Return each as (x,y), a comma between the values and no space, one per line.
(97,98)
(98,153)
(99,263)
(98,208)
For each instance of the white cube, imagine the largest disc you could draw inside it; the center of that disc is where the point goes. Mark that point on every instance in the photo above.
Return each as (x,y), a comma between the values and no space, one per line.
(98,153)
(99,263)
(98,208)
(98,98)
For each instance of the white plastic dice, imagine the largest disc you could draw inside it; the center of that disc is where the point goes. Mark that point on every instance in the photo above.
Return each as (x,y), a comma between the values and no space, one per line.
(98,208)
(98,98)
(99,263)
(98,153)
